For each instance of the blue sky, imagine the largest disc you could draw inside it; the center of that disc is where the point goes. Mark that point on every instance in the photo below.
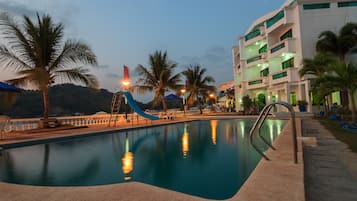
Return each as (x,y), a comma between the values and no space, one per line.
(127,31)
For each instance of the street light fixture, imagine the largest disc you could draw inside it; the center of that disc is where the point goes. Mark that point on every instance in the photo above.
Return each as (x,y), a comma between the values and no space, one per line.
(183,91)
(126,84)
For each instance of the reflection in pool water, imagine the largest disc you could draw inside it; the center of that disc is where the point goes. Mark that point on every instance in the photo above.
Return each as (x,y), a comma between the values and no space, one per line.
(214,131)
(127,160)
(211,159)
(185,143)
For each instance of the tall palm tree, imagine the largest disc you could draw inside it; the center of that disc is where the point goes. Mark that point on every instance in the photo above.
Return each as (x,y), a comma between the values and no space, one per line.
(343,78)
(36,51)
(158,77)
(198,84)
(340,45)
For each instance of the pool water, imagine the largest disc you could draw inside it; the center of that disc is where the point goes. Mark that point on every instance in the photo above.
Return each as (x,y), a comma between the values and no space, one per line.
(210,159)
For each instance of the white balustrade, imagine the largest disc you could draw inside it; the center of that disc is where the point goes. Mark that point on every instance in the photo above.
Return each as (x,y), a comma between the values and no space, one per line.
(87,120)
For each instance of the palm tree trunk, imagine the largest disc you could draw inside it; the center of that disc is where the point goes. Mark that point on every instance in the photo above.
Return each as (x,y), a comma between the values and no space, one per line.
(45,106)
(344,98)
(199,104)
(353,106)
(164,105)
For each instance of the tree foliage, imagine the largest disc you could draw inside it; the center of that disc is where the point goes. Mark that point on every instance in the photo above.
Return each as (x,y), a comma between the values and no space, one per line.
(37,52)
(159,77)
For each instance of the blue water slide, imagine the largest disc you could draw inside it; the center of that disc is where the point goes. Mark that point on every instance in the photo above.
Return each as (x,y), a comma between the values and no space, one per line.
(137,109)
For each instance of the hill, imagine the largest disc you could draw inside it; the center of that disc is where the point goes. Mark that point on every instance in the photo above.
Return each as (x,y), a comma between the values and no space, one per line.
(67,100)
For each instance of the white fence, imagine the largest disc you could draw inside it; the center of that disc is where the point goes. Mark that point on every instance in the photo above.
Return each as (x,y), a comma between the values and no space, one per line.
(91,120)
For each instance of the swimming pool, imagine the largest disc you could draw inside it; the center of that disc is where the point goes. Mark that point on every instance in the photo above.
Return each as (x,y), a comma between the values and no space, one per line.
(210,159)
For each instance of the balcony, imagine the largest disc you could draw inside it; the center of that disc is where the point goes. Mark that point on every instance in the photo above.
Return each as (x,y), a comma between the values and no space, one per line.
(257,83)
(252,61)
(286,75)
(280,20)
(254,36)
(287,45)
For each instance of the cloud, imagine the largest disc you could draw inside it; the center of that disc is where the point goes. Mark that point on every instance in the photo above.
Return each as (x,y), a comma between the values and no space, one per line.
(62,11)
(17,9)
(217,60)
(112,75)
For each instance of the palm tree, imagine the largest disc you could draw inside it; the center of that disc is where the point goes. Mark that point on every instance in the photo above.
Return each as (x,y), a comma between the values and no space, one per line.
(340,45)
(317,67)
(159,77)
(35,50)
(198,84)
(343,78)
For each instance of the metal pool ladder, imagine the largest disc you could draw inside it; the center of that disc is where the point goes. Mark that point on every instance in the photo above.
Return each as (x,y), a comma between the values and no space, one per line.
(260,121)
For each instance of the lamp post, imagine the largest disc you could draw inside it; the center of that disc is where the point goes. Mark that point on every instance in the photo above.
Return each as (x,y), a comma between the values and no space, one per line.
(213,100)
(126,84)
(183,91)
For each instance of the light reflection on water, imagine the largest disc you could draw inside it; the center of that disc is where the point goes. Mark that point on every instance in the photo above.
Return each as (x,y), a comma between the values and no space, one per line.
(211,159)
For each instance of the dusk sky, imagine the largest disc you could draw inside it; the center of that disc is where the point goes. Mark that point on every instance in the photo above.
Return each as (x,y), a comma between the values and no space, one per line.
(127,31)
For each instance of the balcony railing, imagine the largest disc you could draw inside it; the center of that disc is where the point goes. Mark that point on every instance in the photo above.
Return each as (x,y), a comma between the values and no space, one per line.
(255,82)
(276,18)
(252,34)
(279,75)
(278,47)
(286,46)
(253,59)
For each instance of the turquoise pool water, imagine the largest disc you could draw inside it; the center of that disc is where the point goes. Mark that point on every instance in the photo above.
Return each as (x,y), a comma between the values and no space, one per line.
(210,159)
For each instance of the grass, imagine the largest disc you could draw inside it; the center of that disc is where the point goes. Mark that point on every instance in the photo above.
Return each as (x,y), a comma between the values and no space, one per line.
(334,127)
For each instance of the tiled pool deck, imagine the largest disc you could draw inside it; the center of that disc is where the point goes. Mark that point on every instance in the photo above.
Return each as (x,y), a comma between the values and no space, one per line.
(278,179)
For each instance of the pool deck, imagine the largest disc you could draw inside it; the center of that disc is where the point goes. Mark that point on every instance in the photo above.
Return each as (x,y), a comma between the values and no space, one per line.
(278,179)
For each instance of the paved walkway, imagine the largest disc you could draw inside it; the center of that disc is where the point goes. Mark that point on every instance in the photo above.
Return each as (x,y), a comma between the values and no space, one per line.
(330,167)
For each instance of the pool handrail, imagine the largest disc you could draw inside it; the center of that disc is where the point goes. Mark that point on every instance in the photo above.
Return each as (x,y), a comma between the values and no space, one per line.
(259,123)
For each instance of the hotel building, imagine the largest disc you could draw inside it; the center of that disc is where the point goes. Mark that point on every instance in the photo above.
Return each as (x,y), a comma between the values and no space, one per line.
(269,56)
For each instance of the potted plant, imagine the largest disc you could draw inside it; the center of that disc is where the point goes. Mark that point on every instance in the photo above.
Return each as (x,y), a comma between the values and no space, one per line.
(302,105)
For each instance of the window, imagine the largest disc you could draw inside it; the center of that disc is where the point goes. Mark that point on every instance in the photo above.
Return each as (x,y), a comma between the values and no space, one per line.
(288,63)
(277,17)
(264,73)
(347,4)
(293,98)
(316,6)
(288,34)
(263,49)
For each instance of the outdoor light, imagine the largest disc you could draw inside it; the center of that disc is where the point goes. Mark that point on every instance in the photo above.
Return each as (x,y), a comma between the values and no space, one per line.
(183,91)
(211,95)
(126,83)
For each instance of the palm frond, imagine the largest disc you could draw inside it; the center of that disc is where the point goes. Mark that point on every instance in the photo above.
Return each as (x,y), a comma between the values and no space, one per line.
(8,59)
(81,75)
(327,42)
(74,52)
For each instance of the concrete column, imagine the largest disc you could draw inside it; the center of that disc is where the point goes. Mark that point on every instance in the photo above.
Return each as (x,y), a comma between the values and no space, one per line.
(287,91)
(299,94)
(307,96)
